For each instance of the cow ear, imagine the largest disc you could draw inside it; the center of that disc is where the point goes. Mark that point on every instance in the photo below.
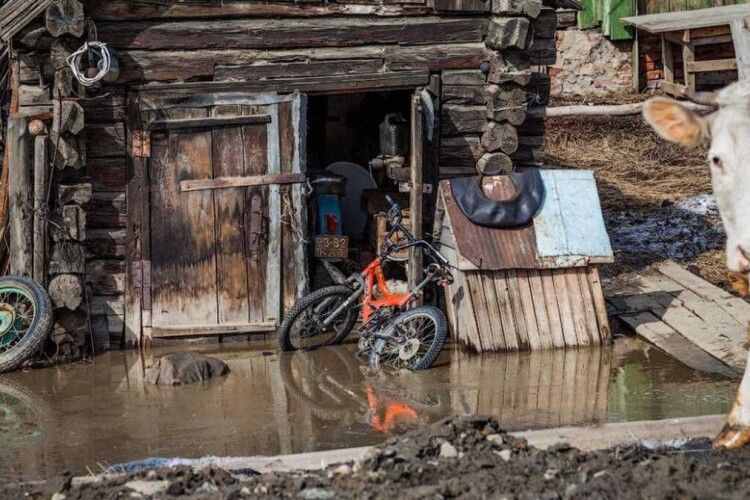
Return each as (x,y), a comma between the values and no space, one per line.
(674,122)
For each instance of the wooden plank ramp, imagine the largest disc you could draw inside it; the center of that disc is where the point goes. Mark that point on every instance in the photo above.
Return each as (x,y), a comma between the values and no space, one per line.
(694,321)
(586,438)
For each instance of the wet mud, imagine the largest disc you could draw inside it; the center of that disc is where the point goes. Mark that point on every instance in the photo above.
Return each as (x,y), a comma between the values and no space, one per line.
(458,457)
(91,417)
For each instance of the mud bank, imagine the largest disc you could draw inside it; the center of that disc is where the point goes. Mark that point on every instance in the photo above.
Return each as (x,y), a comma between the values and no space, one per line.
(458,457)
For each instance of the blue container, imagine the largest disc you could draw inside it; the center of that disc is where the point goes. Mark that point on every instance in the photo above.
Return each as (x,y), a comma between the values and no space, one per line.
(329,217)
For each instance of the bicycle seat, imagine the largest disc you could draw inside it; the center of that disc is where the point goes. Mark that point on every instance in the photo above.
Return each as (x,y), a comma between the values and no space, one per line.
(483,211)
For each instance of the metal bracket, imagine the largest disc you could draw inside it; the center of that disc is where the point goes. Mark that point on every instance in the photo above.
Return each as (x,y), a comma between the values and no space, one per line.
(405,187)
(146,285)
(256,224)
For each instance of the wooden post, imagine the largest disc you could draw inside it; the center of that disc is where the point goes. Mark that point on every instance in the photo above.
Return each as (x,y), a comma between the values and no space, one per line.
(668,59)
(20,197)
(430,167)
(40,209)
(417,188)
(741,40)
(688,56)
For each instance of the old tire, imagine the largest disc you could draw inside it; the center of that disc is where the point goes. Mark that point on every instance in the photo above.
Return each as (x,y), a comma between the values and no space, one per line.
(25,320)
(426,324)
(288,338)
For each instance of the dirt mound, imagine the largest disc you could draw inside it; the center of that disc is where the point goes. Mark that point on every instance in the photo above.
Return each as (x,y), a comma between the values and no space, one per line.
(467,457)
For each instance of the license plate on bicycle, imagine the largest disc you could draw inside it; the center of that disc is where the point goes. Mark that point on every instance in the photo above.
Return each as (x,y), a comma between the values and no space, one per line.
(332,246)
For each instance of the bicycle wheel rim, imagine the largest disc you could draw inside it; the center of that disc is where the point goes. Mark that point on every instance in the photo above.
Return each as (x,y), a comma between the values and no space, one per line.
(307,330)
(409,342)
(17,313)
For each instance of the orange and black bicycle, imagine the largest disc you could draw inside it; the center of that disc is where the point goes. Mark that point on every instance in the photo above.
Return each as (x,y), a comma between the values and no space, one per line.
(393,332)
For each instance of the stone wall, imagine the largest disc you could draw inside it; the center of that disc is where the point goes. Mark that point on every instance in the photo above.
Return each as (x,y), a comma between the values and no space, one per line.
(589,63)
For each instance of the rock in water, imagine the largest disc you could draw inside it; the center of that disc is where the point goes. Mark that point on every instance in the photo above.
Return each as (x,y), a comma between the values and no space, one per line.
(185,368)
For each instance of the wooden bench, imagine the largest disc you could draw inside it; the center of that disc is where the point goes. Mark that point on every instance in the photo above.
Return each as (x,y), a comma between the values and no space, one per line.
(685,32)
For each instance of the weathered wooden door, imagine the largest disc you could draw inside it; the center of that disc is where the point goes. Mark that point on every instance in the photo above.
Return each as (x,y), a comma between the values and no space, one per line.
(226,215)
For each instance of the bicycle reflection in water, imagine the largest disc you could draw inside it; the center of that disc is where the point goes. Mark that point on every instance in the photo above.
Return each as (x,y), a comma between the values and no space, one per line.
(333,386)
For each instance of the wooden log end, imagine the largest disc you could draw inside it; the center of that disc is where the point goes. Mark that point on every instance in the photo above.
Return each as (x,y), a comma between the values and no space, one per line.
(494,164)
(66,291)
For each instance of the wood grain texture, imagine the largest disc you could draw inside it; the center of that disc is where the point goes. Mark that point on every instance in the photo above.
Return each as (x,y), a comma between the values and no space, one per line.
(178,65)
(229,209)
(183,257)
(122,10)
(255,154)
(290,33)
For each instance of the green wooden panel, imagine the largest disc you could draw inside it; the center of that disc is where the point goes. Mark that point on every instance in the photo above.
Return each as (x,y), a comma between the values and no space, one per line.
(587,17)
(606,8)
(617,10)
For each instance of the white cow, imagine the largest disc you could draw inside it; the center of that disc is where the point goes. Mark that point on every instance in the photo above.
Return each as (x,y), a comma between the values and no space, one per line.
(727,129)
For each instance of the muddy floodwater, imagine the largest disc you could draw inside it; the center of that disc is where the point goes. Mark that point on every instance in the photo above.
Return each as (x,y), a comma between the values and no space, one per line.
(91,415)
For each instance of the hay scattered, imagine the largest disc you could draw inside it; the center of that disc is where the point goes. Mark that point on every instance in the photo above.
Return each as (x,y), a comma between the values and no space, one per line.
(637,172)
(633,166)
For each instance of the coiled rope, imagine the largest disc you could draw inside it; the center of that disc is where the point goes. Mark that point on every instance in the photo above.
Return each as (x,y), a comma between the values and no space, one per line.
(104,64)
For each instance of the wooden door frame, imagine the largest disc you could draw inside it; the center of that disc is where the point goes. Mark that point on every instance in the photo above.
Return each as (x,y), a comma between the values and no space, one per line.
(138,326)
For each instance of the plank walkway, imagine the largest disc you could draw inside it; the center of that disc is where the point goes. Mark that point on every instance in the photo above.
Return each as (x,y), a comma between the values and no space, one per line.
(586,438)
(696,322)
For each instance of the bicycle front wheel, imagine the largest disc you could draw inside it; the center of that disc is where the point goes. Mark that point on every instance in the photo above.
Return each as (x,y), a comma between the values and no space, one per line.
(412,340)
(310,323)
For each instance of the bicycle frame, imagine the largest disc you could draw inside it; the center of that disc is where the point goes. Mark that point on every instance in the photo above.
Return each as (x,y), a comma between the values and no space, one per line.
(373,275)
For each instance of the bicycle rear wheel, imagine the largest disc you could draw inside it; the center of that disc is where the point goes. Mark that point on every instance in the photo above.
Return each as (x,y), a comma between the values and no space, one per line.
(304,328)
(412,340)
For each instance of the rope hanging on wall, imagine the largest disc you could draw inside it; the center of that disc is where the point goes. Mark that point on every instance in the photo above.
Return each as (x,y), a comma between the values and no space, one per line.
(104,65)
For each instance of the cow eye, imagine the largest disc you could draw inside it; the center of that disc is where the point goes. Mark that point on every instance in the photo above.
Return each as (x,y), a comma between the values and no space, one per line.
(717,163)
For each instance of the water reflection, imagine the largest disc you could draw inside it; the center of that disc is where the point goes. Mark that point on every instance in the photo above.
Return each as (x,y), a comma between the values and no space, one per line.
(89,415)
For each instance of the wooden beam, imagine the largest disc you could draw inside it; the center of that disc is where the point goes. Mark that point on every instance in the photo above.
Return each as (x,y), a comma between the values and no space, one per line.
(416,196)
(668,58)
(41,164)
(137,10)
(234,182)
(706,66)
(182,65)
(333,84)
(284,70)
(197,123)
(674,89)
(20,212)
(202,330)
(688,56)
(741,39)
(137,242)
(666,338)
(272,33)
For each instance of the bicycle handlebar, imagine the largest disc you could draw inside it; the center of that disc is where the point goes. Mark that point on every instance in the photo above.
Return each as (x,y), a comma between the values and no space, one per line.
(394,215)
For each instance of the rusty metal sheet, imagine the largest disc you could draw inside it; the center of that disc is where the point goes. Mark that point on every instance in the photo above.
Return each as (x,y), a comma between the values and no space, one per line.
(491,248)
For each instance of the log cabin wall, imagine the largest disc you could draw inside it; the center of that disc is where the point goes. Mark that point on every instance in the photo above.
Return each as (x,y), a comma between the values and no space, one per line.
(480,53)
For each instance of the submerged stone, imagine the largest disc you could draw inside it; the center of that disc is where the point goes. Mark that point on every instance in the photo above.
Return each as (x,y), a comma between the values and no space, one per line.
(185,368)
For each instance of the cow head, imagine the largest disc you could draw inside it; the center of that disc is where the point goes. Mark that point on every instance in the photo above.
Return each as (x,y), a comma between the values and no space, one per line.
(727,130)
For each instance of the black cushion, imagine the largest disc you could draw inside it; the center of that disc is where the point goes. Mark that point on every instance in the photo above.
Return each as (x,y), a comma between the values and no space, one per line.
(516,212)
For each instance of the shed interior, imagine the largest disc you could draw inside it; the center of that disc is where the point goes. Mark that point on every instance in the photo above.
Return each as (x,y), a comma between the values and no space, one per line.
(344,138)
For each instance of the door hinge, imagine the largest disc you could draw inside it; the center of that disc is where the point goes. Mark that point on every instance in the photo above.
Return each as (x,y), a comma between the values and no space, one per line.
(140,146)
